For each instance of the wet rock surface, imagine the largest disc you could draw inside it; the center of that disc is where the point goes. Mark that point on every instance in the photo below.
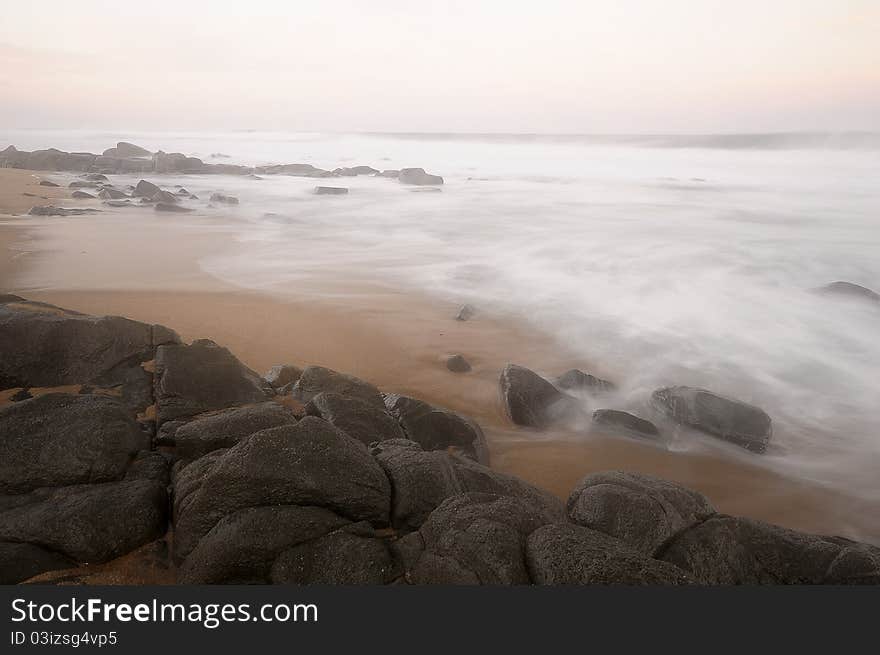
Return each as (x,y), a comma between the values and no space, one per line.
(532,401)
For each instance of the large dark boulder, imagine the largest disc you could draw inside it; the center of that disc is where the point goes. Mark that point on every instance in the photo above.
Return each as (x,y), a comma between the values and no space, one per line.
(418,176)
(352,555)
(243,546)
(358,419)
(725,550)
(227,427)
(202,377)
(308,463)
(317,379)
(61,439)
(145,189)
(435,428)
(567,554)
(732,420)
(422,480)
(88,523)
(532,401)
(639,510)
(473,539)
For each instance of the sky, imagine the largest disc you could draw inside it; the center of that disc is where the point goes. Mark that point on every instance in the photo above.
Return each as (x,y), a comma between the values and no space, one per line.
(548,66)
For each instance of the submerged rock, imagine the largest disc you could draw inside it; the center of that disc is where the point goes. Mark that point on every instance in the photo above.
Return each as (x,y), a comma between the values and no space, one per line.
(82,195)
(849,290)
(625,421)
(457,364)
(330,190)
(532,401)
(225,199)
(61,211)
(576,380)
(172,208)
(418,176)
(48,183)
(465,313)
(732,420)
(109,193)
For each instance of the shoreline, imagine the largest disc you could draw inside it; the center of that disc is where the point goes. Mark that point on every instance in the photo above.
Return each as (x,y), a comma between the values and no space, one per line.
(393,339)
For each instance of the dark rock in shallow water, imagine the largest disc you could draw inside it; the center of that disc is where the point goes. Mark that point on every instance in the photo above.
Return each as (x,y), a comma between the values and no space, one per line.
(296,170)
(330,190)
(145,189)
(46,346)
(162,196)
(243,546)
(227,427)
(172,208)
(465,313)
(222,197)
(532,401)
(89,523)
(849,290)
(422,480)
(307,463)
(732,420)
(726,550)
(418,176)
(641,511)
(566,554)
(282,374)
(20,561)
(351,555)
(82,184)
(61,439)
(119,203)
(435,428)
(61,211)
(95,177)
(203,377)
(360,420)
(474,538)
(124,149)
(625,421)
(109,193)
(82,195)
(575,380)
(317,379)
(355,170)
(457,364)
(48,183)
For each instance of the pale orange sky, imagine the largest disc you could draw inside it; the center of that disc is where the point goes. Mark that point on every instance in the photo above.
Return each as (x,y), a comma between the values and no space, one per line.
(404,65)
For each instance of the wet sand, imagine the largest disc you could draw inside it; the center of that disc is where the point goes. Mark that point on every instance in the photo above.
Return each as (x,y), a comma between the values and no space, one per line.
(143,265)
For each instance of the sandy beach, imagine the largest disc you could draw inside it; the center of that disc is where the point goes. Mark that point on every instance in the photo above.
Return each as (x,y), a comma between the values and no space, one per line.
(139,264)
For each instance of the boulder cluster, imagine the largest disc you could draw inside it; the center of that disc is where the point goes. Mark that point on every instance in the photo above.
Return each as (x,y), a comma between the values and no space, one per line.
(116,435)
(127,158)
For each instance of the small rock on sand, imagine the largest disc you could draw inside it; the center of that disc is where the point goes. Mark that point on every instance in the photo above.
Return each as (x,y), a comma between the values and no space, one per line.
(457,364)
(465,313)
(47,183)
(849,290)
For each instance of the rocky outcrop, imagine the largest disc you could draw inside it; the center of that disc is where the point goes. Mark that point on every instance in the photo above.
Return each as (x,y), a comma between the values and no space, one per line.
(724,550)
(641,511)
(225,428)
(296,170)
(310,463)
(435,428)
(202,377)
(732,420)
(532,401)
(62,439)
(281,375)
(418,176)
(317,379)
(421,480)
(359,419)
(472,539)
(567,554)
(125,149)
